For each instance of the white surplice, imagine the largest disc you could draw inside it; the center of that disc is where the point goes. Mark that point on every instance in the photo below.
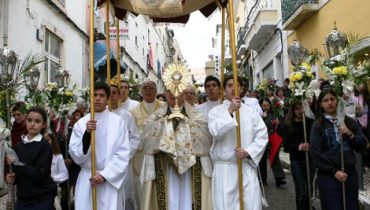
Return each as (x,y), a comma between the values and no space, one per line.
(112,158)
(205,107)
(253,103)
(134,139)
(254,137)
(129,104)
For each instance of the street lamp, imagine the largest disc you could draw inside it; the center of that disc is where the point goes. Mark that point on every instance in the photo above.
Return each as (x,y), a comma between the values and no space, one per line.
(297,53)
(8,63)
(63,78)
(335,42)
(32,79)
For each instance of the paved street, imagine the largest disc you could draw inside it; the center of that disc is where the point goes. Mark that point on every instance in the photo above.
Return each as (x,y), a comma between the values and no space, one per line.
(279,198)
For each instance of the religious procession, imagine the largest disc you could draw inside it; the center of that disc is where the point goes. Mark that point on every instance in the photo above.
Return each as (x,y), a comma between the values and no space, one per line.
(269,124)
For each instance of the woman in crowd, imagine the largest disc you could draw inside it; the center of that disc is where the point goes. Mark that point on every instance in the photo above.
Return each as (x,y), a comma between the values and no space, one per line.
(326,135)
(293,135)
(36,189)
(271,123)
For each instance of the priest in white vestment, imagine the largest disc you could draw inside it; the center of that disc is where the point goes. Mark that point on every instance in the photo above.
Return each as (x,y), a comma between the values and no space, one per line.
(112,155)
(254,137)
(130,199)
(176,161)
(147,107)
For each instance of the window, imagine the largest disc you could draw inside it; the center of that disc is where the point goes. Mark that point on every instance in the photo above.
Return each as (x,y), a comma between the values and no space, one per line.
(52,56)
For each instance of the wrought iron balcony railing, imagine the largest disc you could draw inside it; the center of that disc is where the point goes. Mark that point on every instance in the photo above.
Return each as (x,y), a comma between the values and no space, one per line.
(288,7)
(240,36)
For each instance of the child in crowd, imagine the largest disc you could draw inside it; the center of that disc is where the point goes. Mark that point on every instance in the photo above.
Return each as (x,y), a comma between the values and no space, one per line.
(36,189)
(326,135)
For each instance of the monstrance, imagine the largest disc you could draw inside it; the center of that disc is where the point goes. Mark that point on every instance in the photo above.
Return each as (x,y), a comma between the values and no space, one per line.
(176,78)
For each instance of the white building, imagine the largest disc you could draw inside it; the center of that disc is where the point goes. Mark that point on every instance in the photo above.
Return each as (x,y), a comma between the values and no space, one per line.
(215,54)
(146,49)
(261,42)
(55,28)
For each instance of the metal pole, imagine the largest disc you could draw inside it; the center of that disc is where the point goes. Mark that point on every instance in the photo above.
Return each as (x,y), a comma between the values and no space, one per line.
(342,168)
(10,203)
(107,43)
(223,10)
(237,115)
(307,159)
(92,99)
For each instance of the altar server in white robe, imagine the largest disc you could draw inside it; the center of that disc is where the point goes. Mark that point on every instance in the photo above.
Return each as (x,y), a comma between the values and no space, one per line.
(222,126)
(112,155)
(134,138)
(126,102)
(212,87)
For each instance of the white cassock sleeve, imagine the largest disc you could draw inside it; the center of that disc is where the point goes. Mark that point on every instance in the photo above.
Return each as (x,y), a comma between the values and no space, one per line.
(75,144)
(259,141)
(116,169)
(133,134)
(220,122)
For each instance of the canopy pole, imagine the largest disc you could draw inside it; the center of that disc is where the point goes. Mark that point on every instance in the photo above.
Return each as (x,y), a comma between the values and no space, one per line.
(236,92)
(307,158)
(223,10)
(118,75)
(107,43)
(92,101)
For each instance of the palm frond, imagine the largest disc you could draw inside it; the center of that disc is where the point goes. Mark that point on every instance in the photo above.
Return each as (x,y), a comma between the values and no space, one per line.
(29,62)
(353,38)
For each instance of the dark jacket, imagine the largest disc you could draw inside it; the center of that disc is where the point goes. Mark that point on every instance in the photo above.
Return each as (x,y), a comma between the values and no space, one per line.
(325,148)
(33,180)
(293,136)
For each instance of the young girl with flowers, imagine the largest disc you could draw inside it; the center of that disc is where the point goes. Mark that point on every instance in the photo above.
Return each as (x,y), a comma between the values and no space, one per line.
(326,137)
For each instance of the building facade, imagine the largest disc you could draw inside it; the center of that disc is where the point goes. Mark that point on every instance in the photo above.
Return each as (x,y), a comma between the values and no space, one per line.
(261,42)
(310,21)
(56,29)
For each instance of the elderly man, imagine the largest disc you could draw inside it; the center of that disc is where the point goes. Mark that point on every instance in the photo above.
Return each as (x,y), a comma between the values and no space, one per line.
(126,103)
(176,161)
(134,139)
(189,95)
(147,107)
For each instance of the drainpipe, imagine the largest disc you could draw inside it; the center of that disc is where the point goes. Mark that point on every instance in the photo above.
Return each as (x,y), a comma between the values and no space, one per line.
(5,18)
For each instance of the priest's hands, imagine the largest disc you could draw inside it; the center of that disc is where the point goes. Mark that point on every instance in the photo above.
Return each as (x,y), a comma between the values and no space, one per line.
(90,125)
(241,153)
(97,179)
(235,104)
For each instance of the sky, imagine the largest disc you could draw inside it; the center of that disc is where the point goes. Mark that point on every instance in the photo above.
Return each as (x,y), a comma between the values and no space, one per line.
(195,38)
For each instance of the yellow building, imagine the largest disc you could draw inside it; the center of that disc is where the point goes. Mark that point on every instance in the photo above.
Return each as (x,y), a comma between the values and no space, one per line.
(310,21)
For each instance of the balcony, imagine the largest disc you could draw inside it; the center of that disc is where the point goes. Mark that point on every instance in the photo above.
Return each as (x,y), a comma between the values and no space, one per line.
(242,48)
(296,12)
(262,28)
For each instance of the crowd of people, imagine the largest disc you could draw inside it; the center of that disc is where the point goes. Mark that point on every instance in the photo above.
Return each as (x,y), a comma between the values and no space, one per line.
(149,158)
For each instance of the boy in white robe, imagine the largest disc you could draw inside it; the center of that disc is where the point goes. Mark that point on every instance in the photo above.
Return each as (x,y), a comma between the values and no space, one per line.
(212,87)
(112,155)
(131,199)
(254,137)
